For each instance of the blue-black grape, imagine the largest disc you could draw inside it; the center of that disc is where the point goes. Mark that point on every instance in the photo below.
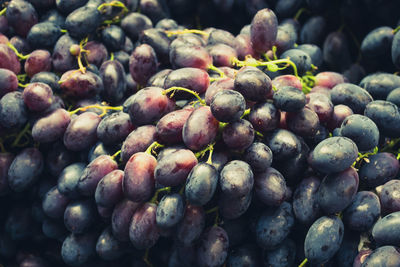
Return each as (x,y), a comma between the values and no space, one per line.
(274,225)
(114,128)
(334,154)
(54,203)
(386,116)
(244,255)
(170,211)
(337,190)
(289,98)
(25,169)
(201,184)
(282,256)
(79,216)
(383,256)
(258,156)
(362,130)
(363,212)
(389,196)
(305,200)
(213,247)
(68,179)
(351,95)
(381,168)
(386,230)
(108,247)
(323,239)
(236,179)
(78,249)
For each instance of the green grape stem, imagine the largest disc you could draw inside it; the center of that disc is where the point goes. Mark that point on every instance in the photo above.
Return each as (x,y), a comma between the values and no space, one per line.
(176,88)
(24,131)
(152,147)
(171,33)
(154,199)
(217,70)
(116,154)
(19,55)
(3,11)
(303,263)
(103,108)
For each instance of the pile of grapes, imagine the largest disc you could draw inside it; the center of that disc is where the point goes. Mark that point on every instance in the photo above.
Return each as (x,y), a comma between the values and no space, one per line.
(199,133)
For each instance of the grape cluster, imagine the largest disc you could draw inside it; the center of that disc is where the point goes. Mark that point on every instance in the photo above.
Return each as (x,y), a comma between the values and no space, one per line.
(130,137)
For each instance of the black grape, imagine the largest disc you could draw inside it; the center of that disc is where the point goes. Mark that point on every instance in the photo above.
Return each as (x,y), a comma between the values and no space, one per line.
(323,239)
(274,225)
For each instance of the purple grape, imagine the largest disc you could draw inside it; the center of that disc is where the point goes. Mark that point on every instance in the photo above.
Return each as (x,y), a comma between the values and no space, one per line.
(109,189)
(222,54)
(200,129)
(236,179)
(304,122)
(108,247)
(76,84)
(78,249)
(227,105)
(192,224)
(169,127)
(323,239)
(121,218)
(264,29)
(97,53)
(138,141)
(334,154)
(143,63)
(143,231)
(38,96)
(190,56)
(38,61)
(94,172)
(259,156)
(149,105)
(194,79)
(62,58)
(381,168)
(113,75)
(8,82)
(114,128)
(139,182)
(253,84)
(173,169)
(81,132)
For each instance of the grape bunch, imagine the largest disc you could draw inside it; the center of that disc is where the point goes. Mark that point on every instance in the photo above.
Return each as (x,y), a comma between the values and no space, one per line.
(199,133)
